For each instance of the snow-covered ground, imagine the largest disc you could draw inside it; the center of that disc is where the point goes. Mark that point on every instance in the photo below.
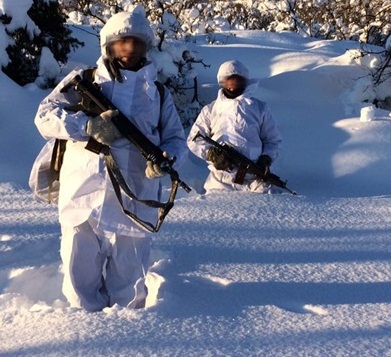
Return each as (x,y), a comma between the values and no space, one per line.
(233,274)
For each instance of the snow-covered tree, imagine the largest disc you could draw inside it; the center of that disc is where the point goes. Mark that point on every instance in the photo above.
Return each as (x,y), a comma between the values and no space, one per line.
(37,34)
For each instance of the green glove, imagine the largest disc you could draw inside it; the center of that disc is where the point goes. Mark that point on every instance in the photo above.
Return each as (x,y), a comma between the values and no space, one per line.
(102,129)
(264,162)
(218,158)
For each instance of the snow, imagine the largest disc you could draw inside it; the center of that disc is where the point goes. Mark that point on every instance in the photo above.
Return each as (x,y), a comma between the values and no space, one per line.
(17,10)
(233,273)
(48,67)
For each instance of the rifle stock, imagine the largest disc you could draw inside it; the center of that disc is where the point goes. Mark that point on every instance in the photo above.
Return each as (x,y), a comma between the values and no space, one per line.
(245,165)
(147,148)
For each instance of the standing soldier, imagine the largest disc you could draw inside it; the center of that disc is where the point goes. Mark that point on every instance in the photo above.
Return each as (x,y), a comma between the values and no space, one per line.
(105,254)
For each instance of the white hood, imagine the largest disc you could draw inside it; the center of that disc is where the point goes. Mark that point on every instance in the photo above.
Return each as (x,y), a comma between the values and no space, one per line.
(126,24)
(230,68)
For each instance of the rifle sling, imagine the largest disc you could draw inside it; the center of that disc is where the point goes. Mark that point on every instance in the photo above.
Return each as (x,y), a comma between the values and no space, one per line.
(119,183)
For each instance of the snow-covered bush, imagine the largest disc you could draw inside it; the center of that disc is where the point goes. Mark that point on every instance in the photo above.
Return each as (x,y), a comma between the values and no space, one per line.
(375,87)
(36,34)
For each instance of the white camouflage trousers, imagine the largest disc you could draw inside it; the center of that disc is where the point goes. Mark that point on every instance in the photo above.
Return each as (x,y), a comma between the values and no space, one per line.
(103,268)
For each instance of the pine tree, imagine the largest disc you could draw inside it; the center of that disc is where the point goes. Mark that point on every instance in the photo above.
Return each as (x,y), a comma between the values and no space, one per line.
(51,32)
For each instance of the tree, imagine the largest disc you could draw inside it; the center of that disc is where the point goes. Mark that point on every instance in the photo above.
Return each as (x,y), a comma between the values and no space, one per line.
(46,30)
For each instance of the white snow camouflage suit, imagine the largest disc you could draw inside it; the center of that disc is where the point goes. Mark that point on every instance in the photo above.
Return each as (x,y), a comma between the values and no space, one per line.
(245,122)
(95,231)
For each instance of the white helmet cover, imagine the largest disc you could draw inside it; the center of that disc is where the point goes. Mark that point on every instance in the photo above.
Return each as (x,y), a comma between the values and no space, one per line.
(126,24)
(230,68)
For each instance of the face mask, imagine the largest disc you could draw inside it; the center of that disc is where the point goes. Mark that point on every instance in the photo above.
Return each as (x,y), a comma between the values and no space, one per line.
(233,94)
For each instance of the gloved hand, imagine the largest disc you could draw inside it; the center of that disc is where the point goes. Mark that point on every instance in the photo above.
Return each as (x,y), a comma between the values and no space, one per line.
(264,162)
(102,129)
(218,158)
(154,171)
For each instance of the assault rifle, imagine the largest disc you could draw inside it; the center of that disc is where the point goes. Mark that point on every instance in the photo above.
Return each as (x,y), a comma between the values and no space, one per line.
(245,165)
(93,102)
(96,102)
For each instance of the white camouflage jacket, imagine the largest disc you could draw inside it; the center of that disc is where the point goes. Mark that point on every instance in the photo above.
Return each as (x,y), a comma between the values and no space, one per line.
(244,122)
(85,187)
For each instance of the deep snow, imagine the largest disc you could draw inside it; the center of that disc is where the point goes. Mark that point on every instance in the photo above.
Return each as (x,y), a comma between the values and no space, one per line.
(233,274)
